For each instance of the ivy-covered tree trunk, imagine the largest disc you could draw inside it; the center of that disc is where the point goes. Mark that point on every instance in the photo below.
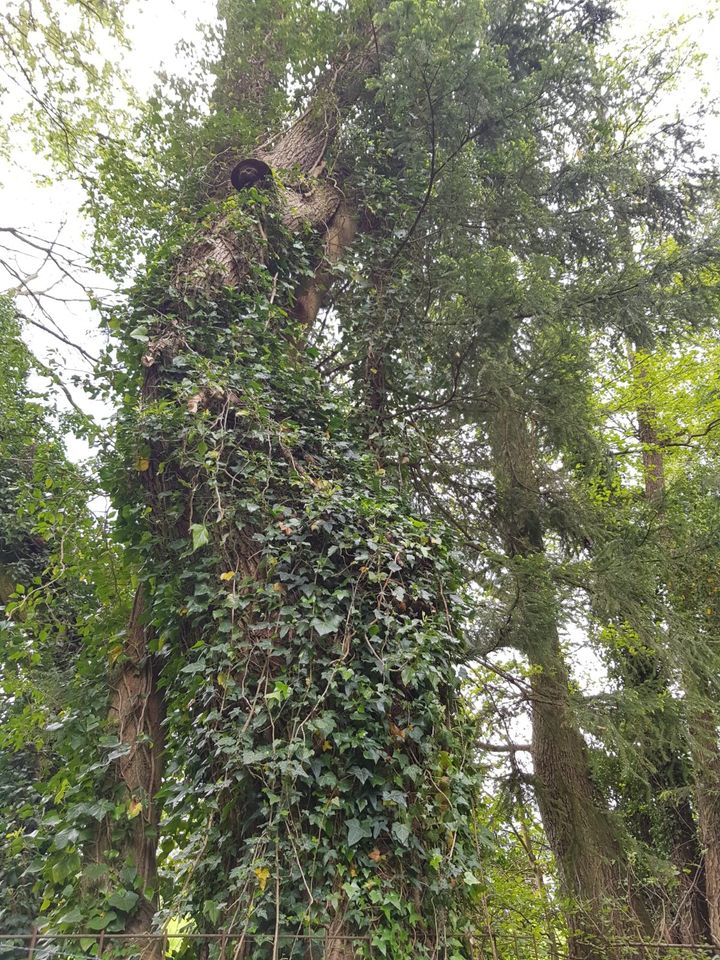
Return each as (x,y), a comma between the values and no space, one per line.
(594,874)
(317,783)
(136,715)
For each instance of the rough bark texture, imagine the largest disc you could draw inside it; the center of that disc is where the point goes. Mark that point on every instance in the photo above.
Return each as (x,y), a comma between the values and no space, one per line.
(579,829)
(136,713)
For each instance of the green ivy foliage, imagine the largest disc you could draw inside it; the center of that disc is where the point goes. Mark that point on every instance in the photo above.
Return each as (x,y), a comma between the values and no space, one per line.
(319,761)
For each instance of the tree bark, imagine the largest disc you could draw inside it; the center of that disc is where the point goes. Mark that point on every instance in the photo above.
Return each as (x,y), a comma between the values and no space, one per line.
(706,759)
(593,871)
(136,714)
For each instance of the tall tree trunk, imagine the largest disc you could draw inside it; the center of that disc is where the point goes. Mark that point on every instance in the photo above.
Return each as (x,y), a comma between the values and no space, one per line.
(247,78)
(336,668)
(690,921)
(593,870)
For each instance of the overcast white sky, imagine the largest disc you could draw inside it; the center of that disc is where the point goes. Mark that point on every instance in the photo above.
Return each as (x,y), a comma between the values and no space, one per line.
(156,26)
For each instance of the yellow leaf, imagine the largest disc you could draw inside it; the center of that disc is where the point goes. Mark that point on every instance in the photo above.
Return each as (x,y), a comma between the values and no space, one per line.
(142,464)
(61,791)
(326,746)
(263,875)
(228,575)
(115,652)
(134,808)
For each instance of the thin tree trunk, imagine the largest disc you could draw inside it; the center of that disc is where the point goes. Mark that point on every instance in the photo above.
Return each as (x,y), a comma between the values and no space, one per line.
(690,922)
(706,757)
(541,887)
(592,868)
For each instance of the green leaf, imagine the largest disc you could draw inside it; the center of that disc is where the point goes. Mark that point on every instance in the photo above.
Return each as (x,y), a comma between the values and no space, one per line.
(211,910)
(71,916)
(356,832)
(94,871)
(330,625)
(123,900)
(401,832)
(200,535)
(101,921)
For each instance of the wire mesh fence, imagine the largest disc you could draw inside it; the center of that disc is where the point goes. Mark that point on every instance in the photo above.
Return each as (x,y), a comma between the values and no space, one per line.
(243,946)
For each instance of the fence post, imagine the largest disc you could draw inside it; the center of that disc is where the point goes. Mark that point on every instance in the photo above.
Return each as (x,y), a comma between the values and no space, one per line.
(33,943)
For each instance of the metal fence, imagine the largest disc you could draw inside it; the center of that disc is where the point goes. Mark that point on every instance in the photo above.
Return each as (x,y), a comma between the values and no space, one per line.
(245,946)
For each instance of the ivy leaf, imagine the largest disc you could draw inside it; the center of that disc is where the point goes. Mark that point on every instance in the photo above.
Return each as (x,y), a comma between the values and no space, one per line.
(324,627)
(263,875)
(356,832)
(123,900)
(200,535)
(101,921)
(71,916)
(95,871)
(401,832)
(211,910)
